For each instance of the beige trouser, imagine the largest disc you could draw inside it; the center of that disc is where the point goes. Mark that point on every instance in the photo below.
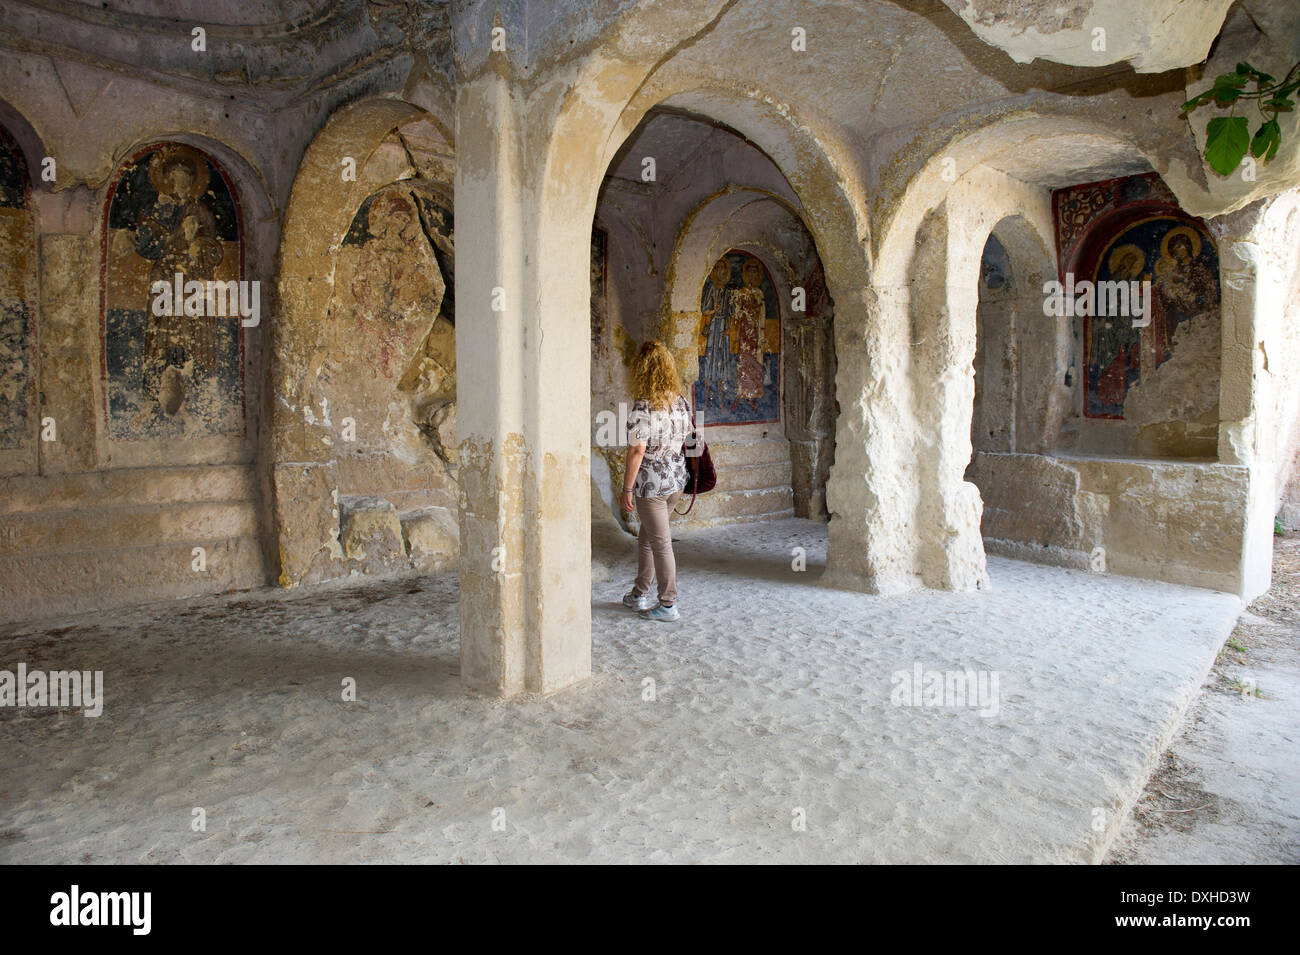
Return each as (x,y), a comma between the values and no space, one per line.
(655,548)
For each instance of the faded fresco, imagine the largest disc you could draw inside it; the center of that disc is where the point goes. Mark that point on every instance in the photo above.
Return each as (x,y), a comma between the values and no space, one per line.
(394,300)
(1179,259)
(171,212)
(391,284)
(388,356)
(739,344)
(17,246)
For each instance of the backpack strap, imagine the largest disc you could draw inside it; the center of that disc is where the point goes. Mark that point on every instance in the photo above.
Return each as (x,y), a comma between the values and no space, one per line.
(694,432)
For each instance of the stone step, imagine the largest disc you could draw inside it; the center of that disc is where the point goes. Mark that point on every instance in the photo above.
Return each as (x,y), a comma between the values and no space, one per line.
(754,477)
(692,522)
(741,505)
(127,487)
(734,454)
(106,530)
(48,585)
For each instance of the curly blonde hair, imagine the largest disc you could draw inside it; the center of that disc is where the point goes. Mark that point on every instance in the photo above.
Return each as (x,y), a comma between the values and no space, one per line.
(654,376)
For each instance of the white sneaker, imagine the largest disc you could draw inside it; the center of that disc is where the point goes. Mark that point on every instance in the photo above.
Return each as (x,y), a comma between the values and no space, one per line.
(643,602)
(666,614)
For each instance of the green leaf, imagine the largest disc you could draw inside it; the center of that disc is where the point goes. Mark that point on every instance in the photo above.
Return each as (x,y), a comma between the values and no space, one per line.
(1225,95)
(1266,140)
(1197,100)
(1226,140)
(1230,80)
(1245,69)
(1280,102)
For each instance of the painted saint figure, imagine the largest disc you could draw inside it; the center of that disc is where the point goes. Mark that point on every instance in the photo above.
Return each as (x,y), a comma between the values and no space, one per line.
(391,277)
(172,215)
(178,234)
(1115,339)
(748,334)
(1185,284)
(714,344)
(739,343)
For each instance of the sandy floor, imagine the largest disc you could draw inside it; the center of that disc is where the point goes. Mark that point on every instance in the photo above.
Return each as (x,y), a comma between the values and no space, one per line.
(1228,790)
(772,703)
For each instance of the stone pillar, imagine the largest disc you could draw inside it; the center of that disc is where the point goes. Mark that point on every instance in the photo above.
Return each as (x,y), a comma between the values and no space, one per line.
(808,360)
(871,492)
(943,307)
(523,397)
(1255,305)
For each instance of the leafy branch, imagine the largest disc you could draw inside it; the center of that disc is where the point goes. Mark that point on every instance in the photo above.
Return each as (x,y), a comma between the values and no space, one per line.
(1228,138)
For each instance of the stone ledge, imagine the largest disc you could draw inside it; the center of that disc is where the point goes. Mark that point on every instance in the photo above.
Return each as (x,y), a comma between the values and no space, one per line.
(40,586)
(93,530)
(128,487)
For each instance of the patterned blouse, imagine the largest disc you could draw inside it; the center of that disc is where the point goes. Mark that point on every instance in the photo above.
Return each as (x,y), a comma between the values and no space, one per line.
(663,469)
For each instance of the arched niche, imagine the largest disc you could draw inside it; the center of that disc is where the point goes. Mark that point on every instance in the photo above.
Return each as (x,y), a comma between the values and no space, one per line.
(762,223)
(363,449)
(387,359)
(1021,355)
(1147,386)
(739,203)
(866,545)
(175,301)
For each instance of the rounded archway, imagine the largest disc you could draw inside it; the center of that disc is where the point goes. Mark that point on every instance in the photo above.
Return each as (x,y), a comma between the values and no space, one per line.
(808,158)
(767,225)
(719,201)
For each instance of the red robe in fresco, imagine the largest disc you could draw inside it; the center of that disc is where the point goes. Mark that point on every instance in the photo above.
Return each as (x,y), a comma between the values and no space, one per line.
(748,316)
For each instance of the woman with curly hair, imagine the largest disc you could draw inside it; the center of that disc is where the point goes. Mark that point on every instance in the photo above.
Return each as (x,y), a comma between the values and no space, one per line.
(655,475)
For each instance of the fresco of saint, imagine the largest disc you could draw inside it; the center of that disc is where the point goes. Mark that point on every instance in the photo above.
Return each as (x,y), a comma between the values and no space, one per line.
(390,293)
(178,234)
(714,342)
(388,278)
(1184,283)
(1115,338)
(171,211)
(1184,280)
(748,335)
(739,344)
